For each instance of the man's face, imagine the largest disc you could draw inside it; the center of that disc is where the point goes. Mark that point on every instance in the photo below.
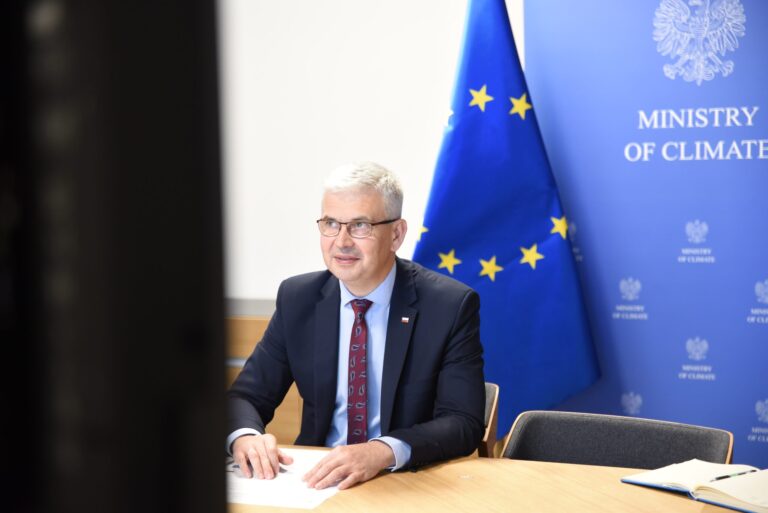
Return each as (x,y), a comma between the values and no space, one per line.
(362,264)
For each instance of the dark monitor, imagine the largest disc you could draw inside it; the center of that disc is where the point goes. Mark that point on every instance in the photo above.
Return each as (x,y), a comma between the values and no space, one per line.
(111,268)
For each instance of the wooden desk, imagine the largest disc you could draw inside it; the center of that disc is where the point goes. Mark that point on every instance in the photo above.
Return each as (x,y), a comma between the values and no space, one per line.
(491,485)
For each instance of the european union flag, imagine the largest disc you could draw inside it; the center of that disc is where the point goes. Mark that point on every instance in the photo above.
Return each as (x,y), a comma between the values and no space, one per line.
(494,222)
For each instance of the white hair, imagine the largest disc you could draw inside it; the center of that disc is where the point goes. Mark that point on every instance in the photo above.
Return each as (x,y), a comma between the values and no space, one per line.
(369,175)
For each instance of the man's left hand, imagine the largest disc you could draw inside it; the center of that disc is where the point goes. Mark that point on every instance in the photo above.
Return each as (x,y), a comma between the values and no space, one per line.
(350,464)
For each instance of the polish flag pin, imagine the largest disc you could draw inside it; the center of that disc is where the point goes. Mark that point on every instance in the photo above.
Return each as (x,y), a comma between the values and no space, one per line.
(405,320)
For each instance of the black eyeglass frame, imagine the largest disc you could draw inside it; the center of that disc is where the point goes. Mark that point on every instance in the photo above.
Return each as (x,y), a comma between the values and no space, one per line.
(346,225)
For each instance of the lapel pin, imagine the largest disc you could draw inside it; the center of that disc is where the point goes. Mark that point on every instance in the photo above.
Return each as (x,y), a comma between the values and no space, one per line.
(405,320)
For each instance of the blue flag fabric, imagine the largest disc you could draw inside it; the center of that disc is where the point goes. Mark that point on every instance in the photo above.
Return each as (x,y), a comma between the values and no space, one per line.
(494,221)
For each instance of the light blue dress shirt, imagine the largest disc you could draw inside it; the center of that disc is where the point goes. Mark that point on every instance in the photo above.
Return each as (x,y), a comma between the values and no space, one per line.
(376,318)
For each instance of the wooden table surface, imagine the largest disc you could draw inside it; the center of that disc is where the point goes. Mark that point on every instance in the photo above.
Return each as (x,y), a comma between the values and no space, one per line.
(490,485)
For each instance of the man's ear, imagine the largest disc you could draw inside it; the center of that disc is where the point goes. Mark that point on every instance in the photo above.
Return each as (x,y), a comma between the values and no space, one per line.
(398,233)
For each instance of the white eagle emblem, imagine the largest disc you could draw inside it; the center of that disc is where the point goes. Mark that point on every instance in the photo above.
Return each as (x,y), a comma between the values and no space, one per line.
(761,290)
(631,403)
(696,38)
(761,408)
(630,289)
(697,348)
(696,231)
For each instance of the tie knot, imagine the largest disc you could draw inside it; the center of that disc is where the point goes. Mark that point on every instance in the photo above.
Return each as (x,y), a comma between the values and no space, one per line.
(360,306)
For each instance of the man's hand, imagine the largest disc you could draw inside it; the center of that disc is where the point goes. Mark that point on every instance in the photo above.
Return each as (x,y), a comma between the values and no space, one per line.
(260,453)
(350,464)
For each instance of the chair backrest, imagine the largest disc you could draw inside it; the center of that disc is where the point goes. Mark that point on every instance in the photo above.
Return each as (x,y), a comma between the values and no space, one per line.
(609,440)
(491,420)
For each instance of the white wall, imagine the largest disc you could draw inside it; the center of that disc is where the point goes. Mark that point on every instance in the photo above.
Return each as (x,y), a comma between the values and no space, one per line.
(308,85)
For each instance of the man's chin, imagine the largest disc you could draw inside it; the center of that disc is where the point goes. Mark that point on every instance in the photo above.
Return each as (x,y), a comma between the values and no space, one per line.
(343,272)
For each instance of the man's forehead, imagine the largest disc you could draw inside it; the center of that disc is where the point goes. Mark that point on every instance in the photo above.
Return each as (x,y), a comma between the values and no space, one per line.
(358,203)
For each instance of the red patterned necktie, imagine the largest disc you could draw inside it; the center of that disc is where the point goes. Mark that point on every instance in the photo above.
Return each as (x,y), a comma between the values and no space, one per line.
(357,398)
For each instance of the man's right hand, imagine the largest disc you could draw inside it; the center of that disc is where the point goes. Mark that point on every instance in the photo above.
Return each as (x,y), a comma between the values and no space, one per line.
(260,453)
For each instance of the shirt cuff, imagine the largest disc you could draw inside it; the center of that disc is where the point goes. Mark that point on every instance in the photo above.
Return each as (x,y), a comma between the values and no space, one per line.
(241,432)
(401,449)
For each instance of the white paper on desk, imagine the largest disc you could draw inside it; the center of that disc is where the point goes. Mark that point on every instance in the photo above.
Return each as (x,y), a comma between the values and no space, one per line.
(287,490)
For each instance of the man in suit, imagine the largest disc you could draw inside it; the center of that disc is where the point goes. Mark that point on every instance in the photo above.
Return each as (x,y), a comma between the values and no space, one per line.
(415,393)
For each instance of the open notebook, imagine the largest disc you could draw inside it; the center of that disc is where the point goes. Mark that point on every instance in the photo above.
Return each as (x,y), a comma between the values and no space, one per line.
(739,487)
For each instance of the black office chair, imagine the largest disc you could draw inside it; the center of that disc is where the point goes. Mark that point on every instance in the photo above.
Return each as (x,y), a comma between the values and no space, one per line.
(609,440)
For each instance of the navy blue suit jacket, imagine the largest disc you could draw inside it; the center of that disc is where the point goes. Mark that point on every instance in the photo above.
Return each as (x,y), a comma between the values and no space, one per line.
(432,393)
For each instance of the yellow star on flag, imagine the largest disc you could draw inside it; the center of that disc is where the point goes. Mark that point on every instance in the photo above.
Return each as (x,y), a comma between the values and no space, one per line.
(531,256)
(520,105)
(448,261)
(560,226)
(423,230)
(480,98)
(490,268)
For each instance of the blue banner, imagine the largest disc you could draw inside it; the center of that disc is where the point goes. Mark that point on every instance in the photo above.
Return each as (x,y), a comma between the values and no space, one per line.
(655,117)
(494,222)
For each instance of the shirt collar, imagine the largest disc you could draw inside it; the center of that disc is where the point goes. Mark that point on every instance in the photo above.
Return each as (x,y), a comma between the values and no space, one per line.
(381,295)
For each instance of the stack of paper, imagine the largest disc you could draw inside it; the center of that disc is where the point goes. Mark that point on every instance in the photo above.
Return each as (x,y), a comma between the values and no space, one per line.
(287,490)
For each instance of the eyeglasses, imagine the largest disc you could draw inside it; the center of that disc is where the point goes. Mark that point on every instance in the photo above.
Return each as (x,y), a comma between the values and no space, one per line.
(356,229)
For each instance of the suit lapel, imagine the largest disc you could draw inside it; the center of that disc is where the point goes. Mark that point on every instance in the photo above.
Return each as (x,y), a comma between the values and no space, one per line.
(326,356)
(402,317)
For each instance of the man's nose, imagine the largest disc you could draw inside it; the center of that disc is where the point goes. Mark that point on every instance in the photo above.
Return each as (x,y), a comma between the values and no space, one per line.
(344,239)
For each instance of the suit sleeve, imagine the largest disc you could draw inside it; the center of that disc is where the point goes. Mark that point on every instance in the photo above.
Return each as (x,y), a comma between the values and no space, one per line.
(265,379)
(457,423)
